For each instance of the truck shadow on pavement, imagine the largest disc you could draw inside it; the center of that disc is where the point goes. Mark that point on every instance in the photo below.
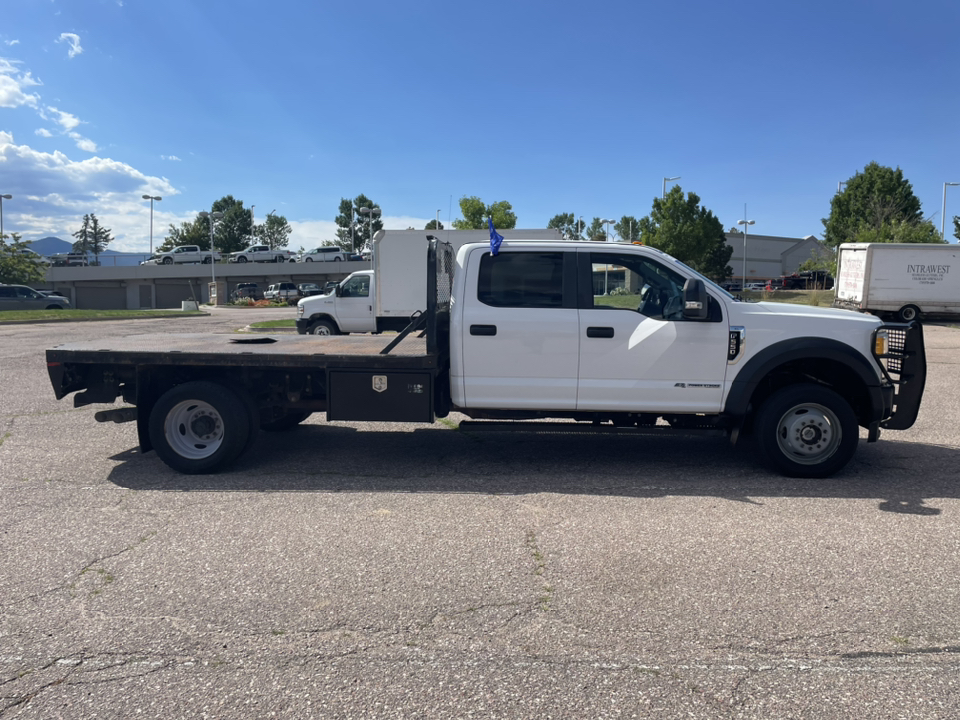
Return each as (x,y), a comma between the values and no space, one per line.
(321,458)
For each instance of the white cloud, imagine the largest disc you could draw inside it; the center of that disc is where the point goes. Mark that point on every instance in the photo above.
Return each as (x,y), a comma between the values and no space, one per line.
(172,158)
(43,132)
(54,192)
(11,42)
(74,40)
(63,119)
(12,82)
(83,143)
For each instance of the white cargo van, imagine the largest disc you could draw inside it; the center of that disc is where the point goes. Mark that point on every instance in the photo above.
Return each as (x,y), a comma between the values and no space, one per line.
(902,280)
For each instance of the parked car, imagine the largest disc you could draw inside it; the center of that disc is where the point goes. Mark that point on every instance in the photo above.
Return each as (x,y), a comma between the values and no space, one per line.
(69,260)
(285,291)
(263,253)
(355,256)
(21,297)
(247,290)
(330,287)
(188,254)
(755,286)
(323,254)
(309,289)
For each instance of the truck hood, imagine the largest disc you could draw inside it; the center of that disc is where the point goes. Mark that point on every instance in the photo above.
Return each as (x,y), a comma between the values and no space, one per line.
(799,313)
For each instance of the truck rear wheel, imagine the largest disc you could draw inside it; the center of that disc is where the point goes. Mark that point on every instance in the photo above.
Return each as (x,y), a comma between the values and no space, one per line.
(807,431)
(908,313)
(199,426)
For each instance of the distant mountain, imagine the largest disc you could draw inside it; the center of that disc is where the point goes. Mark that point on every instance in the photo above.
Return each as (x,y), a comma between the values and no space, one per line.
(55,246)
(50,246)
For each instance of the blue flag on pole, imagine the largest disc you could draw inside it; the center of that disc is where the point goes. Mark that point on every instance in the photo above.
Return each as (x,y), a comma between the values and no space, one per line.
(495,239)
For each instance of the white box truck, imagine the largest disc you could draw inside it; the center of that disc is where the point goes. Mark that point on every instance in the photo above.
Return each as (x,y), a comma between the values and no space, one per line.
(901,280)
(386,297)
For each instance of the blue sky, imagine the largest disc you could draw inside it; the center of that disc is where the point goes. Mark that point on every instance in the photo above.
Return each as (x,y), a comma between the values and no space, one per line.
(554,106)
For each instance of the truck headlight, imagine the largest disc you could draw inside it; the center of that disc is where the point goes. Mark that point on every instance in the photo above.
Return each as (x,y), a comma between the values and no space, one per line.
(299,310)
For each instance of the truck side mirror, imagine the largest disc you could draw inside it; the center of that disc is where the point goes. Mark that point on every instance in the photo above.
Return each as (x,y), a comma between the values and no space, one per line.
(695,300)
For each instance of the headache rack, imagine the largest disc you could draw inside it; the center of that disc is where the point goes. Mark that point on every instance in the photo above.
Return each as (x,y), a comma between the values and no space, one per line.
(905,366)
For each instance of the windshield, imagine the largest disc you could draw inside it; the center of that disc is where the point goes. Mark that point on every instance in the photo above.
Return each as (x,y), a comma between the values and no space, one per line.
(705,279)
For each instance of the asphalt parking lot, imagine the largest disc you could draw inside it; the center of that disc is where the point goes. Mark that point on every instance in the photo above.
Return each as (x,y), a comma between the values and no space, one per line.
(363,570)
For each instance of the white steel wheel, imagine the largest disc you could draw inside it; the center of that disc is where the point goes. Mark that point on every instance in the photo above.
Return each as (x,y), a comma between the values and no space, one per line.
(198,426)
(807,431)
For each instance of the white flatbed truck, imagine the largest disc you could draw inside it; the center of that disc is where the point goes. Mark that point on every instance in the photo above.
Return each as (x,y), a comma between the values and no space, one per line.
(513,339)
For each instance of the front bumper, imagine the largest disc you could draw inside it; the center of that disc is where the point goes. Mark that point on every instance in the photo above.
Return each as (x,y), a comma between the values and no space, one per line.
(905,367)
(303,325)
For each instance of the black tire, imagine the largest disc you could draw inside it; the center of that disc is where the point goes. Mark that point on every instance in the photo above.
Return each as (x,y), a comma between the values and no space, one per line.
(168,261)
(908,313)
(285,422)
(281,259)
(807,431)
(199,426)
(241,259)
(54,307)
(337,259)
(308,259)
(207,260)
(322,327)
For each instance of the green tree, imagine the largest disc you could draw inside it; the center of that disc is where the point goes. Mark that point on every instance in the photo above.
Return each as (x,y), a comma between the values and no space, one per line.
(475,214)
(899,231)
(628,229)
(571,227)
(956,227)
(356,229)
(83,237)
(679,226)
(18,266)
(92,237)
(196,232)
(821,259)
(870,200)
(433,225)
(596,231)
(234,231)
(275,231)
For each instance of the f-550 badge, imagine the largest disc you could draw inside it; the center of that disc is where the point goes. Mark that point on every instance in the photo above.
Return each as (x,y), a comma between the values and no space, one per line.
(379,383)
(697,385)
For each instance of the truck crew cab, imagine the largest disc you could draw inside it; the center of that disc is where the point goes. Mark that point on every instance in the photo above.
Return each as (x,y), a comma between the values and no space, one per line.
(531,333)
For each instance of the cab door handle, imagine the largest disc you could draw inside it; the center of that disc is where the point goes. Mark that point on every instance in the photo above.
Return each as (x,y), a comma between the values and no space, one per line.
(599,332)
(483,329)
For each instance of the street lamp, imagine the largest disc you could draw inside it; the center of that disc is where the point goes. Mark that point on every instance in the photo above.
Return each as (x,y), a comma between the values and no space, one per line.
(369,212)
(943,212)
(745,223)
(2,198)
(438,221)
(151,198)
(214,216)
(663,193)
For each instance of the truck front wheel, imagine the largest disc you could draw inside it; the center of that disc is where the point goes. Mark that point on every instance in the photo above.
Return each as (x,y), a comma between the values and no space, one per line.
(168,261)
(807,431)
(199,426)
(322,327)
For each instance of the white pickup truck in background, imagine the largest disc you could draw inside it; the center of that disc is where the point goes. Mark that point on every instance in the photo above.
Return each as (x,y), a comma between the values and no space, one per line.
(186,254)
(263,253)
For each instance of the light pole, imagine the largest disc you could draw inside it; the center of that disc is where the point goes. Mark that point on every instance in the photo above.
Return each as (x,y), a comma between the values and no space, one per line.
(2,198)
(943,211)
(214,216)
(663,193)
(438,221)
(606,265)
(151,198)
(745,223)
(252,226)
(369,212)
